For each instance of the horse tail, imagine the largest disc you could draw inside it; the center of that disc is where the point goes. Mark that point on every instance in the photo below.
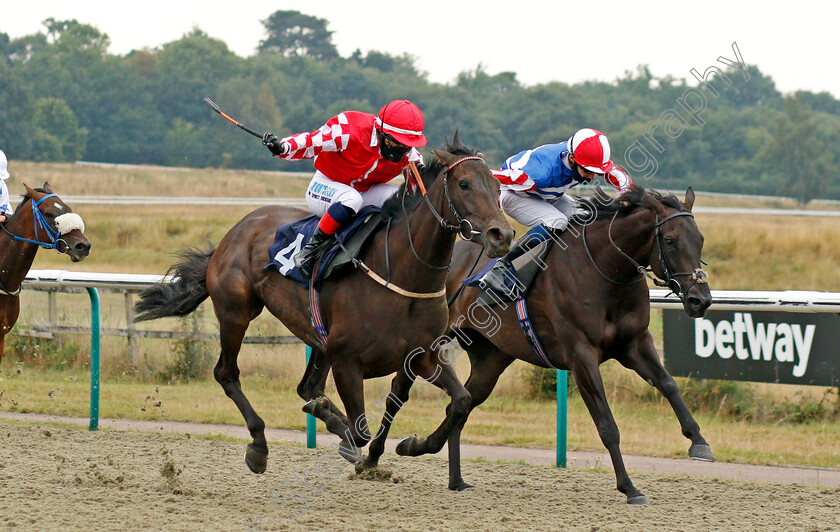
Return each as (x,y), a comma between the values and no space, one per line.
(181,297)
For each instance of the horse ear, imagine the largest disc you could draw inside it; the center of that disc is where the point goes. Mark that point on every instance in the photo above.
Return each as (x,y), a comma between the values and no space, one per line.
(29,191)
(456,140)
(689,199)
(48,188)
(444,157)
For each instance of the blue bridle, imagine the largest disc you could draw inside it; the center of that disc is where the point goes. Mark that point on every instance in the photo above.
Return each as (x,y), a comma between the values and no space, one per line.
(41,223)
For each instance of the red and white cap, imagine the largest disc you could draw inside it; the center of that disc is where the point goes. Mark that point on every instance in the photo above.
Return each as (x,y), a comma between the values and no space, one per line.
(403,121)
(591,150)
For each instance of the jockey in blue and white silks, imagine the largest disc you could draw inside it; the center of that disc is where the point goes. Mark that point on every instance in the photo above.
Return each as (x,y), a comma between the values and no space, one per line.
(6,209)
(533,190)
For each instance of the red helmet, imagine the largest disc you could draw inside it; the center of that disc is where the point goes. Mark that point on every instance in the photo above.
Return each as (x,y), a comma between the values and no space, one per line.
(591,150)
(403,121)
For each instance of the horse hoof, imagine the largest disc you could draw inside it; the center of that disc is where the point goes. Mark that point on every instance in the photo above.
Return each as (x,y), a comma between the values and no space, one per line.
(408,446)
(701,451)
(638,500)
(460,486)
(349,452)
(255,460)
(315,404)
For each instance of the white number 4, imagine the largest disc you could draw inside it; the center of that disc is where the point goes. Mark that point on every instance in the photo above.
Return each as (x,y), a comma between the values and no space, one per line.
(286,256)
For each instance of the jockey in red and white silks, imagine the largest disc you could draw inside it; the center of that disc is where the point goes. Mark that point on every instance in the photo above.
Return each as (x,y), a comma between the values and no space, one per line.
(534,184)
(6,209)
(356,154)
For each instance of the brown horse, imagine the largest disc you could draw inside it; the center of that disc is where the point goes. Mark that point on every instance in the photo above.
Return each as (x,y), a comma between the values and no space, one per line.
(582,315)
(373,330)
(41,220)
(588,305)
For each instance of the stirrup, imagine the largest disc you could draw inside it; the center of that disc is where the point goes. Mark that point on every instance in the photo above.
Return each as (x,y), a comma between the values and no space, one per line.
(495,279)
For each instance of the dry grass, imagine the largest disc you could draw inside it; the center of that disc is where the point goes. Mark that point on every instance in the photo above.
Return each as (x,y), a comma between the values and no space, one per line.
(743,253)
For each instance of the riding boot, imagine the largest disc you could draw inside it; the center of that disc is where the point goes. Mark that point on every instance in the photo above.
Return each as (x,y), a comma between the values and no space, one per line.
(305,259)
(495,277)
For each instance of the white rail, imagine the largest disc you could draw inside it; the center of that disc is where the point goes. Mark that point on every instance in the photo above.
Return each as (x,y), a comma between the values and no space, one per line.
(784,300)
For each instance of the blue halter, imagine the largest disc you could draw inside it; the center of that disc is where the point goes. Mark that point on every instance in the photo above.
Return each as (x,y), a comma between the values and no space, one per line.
(40,223)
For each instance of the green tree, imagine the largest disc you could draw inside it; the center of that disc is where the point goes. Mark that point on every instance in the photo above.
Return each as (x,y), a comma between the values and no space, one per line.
(293,33)
(801,154)
(57,132)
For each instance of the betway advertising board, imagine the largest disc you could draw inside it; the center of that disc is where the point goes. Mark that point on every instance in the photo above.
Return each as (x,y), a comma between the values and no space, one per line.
(763,346)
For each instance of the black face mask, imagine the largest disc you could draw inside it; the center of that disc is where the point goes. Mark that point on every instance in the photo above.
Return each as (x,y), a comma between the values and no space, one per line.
(393,153)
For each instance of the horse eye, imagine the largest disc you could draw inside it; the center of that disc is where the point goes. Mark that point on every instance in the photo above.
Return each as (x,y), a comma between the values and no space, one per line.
(670,241)
(464,184)
(49,215)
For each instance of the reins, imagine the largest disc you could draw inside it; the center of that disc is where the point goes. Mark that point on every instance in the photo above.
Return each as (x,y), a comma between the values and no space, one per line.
(699,276)
(464,227)
(40,223)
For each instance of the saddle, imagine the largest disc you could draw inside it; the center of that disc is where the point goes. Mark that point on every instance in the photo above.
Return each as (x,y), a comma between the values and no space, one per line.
(290,239)
(527,267)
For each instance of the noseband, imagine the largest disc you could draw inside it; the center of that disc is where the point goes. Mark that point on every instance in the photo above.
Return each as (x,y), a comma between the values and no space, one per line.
(698,276)
(464,227)
(40,224)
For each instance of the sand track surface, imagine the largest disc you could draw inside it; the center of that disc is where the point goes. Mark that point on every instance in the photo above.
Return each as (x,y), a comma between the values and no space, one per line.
(66,478)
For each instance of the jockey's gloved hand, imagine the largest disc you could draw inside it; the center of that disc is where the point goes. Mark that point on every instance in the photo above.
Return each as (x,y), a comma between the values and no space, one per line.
(274,145)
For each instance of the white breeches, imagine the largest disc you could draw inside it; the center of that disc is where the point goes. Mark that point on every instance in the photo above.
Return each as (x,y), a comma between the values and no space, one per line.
(323,192)
(532,211)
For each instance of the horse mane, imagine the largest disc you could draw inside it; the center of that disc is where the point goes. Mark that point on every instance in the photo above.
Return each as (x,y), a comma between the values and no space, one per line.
(637,197)
(393,207)
(25,199)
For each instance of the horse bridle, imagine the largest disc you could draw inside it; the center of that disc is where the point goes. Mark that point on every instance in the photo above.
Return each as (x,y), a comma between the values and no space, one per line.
(40,223)
(698,276)
(464,227)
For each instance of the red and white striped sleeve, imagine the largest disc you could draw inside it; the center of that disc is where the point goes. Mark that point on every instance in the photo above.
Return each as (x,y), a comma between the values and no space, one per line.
(618,178)
(514,179)
(332,136)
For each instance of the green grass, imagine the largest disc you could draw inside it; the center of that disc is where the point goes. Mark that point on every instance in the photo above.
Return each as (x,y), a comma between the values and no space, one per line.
(743,253)
(646,428)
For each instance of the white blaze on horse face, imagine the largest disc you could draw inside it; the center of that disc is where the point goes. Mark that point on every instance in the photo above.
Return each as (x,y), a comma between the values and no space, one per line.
(68,222)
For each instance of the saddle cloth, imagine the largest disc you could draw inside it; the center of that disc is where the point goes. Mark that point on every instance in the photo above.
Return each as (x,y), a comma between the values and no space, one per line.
(527,267)
(290,239)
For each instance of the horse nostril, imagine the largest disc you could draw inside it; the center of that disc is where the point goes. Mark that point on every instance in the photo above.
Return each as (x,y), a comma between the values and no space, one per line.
(495,234)
(82,247)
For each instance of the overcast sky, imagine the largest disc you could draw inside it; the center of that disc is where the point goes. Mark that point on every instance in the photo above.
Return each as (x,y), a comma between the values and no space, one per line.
(795,43)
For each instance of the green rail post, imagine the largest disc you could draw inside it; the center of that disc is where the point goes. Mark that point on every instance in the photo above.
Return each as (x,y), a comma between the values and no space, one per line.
(311,433)
(94,358)
(562,395)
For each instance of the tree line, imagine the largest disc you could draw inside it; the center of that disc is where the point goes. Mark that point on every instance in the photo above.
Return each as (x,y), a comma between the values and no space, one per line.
(64,97)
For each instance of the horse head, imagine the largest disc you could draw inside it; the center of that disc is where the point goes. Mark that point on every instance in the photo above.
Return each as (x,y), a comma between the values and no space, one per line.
(676,249)
(472,196)
(53,224)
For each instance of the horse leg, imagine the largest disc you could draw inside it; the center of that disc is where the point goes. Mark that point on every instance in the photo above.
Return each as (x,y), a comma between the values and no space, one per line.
(396,398)
(644,360)
(311,389)
(232,327)
(456,411)
(588,378)
(349,381)
(485,370)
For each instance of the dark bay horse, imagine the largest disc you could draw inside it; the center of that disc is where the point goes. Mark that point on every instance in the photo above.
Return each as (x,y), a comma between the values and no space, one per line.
(41,220)
(373,330)
(589,305)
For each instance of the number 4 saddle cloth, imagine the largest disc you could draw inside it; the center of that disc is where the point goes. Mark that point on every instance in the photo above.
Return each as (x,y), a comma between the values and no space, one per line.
(290,239)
